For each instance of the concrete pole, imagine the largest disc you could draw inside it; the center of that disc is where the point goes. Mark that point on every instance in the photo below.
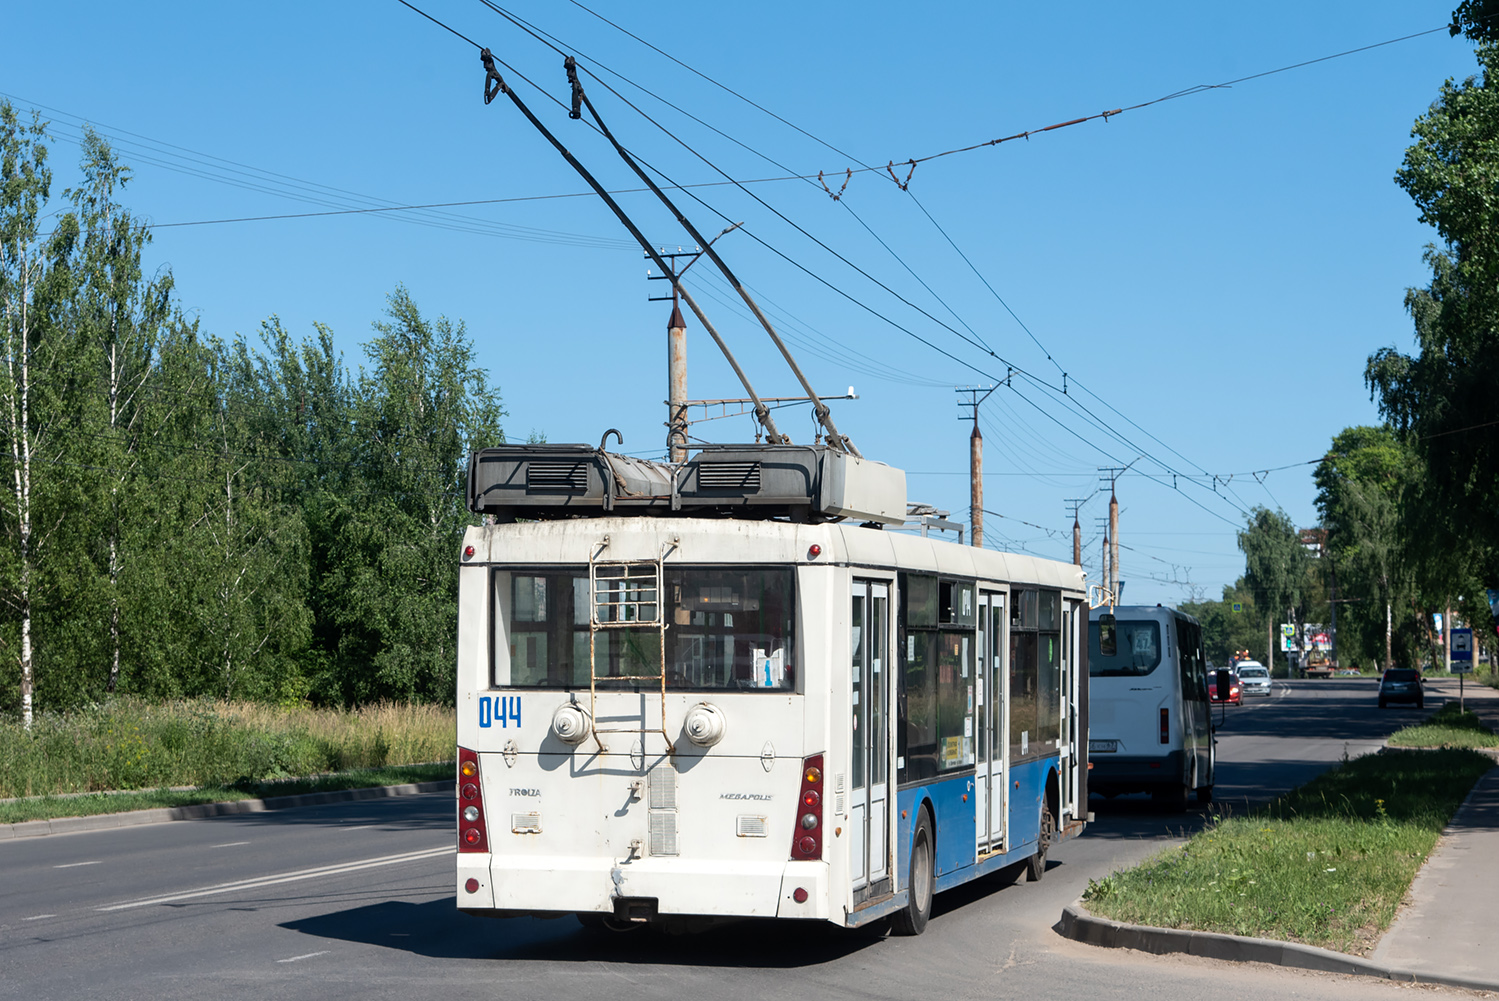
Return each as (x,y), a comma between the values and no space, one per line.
(1114,541)
(1104,574)
(676,405)
(1077,541)
(976,481)
(1270,647)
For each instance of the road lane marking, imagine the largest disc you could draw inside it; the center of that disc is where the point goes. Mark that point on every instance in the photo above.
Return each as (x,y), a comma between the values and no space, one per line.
(307,956)
(287,877)
(74,865)
(231,844)
(38,917)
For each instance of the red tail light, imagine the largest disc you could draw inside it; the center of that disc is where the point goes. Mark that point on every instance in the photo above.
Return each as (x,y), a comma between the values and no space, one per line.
(806,837)
(473,830)
(1165,726)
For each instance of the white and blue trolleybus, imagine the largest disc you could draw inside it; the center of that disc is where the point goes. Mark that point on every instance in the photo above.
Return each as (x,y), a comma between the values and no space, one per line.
(726,689)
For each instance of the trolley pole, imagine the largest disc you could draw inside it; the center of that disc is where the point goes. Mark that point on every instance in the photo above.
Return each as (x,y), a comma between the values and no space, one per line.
(975,459)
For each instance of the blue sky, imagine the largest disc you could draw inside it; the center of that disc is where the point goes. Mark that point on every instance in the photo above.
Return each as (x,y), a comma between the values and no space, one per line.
(1211,272)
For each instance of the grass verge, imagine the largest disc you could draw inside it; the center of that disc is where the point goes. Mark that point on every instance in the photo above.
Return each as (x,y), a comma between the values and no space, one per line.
(1327,864)
(92,804)
(127,743)
(1447,727)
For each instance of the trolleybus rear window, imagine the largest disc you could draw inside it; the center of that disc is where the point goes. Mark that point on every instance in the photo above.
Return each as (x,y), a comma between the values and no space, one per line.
(1137,649)
(725,629)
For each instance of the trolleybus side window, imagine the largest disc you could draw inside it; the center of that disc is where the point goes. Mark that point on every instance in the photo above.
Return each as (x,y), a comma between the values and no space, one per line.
(938,620)
(1048,731)
(727,629)
(1023,672)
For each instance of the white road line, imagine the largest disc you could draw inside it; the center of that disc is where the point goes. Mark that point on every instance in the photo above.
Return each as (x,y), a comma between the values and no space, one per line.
(361,827)
(288,877)
(74,865)
(307,956)
(231,844)
(38,917)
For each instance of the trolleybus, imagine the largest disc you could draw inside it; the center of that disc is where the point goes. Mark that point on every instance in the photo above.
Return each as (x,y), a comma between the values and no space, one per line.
(727,689)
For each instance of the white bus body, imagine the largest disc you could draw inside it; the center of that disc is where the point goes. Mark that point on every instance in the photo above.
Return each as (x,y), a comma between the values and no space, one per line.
(1151,727)
(783,769)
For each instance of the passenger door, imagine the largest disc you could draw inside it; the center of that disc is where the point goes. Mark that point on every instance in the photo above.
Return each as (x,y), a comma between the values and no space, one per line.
(869,800)
(990,743)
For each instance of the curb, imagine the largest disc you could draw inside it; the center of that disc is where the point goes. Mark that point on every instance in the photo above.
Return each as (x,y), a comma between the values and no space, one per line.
(1080,926)
(204,811)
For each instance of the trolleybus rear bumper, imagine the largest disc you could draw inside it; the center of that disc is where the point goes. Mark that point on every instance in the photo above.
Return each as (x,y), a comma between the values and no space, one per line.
(679,886)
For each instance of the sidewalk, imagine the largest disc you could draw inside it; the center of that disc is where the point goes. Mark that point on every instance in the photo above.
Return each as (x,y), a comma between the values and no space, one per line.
(1448,926)
(1447,931)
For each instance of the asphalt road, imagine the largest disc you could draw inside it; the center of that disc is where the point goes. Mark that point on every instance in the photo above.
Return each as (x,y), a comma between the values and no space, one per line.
(353,901)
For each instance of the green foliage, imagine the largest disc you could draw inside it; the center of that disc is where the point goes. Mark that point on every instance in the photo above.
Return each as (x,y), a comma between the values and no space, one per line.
(1478,19)
(1326,864)
(188,516)
(1225,632)
(1280,573)
(1441,400)
(1449,726)
(132,744)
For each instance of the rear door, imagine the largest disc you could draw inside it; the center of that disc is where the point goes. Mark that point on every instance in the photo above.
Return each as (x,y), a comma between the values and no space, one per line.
(870,676)
(990,742)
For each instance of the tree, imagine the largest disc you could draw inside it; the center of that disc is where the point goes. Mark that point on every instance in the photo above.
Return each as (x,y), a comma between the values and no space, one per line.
(1478,19)
(1278,569)
(1227,632)
(1442,400)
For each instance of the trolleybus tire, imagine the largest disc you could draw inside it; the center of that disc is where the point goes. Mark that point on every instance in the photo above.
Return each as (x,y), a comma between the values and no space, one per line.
(920,877)
(1035,866)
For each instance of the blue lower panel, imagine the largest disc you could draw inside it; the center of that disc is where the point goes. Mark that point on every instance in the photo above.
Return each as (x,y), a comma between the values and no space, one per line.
(952,804)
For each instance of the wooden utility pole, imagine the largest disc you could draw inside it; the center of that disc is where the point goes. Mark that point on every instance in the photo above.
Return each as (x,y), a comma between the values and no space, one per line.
(975,459)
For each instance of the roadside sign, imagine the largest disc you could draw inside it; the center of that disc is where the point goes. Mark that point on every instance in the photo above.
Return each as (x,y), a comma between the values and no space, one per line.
(1462,647)
(1238,606)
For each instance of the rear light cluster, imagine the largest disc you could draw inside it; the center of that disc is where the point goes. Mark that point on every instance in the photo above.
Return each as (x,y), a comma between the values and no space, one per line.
(473,833)
(806,840)
(1165,726)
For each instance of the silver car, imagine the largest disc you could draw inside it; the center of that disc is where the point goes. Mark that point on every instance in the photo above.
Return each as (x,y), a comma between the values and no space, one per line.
(1254,679)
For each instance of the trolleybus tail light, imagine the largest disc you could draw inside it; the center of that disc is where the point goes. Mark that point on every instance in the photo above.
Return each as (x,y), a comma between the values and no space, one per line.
(814,551)
(1165,726)
(806,837)
(468,552)
(473,832)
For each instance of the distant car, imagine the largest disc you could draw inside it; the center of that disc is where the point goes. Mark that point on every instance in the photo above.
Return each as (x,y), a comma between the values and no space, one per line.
(1235,692)
(1401,684)
(1254,678)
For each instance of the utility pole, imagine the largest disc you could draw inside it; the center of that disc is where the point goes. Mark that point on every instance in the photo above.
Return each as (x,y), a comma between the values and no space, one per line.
(1105,571)
(1077,529)
(975,459)
(676,357)
(1112,474)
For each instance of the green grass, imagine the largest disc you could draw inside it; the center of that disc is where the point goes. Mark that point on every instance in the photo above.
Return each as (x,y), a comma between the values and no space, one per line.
(1447,727)
(91,804)
(1327,864)
(127,744)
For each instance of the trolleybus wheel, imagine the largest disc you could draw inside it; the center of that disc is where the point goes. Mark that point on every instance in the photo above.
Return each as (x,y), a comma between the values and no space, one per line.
(920,877)
(1035,866)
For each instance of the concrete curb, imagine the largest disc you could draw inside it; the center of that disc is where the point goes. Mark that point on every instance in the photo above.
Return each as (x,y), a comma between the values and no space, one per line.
(1080,926)
(203,811)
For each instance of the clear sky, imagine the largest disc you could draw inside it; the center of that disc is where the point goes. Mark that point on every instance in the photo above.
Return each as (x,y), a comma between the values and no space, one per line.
(1210,272)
